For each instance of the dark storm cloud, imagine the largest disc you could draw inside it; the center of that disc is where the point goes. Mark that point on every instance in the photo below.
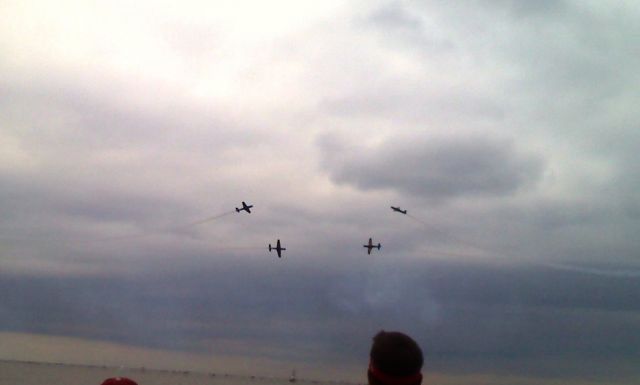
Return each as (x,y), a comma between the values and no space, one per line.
(468,313)
(434,169)
(554,293)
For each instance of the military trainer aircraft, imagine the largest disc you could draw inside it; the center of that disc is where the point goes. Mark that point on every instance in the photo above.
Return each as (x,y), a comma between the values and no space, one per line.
(371,246)
(279,249)
(245,207)
(398,210)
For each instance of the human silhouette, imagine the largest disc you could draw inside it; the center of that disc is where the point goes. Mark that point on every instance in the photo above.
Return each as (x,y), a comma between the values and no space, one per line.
(395,359)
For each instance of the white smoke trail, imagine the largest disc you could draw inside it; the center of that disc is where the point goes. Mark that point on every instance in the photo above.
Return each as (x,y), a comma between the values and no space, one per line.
(514,259)
(142,234)
(239,248)
(202,221)
(163,230)
(591,270)
(444,235)
(418,220)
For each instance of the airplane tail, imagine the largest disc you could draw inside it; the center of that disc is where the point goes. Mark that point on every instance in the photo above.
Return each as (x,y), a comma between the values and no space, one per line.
(237,210)
(269,246)
(378,246)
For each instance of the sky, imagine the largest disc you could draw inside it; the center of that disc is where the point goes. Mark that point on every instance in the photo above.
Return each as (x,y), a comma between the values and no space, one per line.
(508,129)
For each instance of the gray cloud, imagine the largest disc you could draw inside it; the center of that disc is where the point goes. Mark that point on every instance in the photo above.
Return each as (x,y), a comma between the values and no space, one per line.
(395,16)
(507,128)
(472,315)
(547,8)
(434,169)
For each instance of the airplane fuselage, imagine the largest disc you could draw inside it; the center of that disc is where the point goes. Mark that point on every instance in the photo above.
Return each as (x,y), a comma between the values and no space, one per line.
(245,207)
(371,246)
(278,248)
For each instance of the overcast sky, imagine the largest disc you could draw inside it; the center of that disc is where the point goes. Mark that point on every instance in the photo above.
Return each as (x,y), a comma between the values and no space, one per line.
(508,129)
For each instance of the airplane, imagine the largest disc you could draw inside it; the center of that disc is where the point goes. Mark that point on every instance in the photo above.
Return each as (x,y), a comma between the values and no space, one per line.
(279,249)
(397,209)
(245,207)
(371,246)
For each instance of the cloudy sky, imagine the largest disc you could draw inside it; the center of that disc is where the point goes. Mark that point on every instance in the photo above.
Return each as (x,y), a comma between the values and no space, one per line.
(508,129)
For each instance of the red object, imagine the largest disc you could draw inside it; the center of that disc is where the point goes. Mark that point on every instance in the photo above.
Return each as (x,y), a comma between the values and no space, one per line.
(393,380)
(119,381)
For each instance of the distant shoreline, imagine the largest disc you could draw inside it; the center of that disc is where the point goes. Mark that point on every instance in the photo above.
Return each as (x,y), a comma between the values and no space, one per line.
(174,371)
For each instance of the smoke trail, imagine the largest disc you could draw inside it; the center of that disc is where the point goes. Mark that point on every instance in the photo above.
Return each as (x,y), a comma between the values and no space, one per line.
(239,248)
(443,234)
(428,226)
(168,229)
(548,265)
(418,220)
(202,221)
(514,259)
(455,254)
(571,268)
(591,270)
(143,234)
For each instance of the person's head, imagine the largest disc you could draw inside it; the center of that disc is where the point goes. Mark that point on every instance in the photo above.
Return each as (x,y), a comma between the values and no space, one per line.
(119,381)
(395,359)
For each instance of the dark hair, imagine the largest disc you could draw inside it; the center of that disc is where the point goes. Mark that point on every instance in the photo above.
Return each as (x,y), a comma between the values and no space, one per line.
(396,354)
